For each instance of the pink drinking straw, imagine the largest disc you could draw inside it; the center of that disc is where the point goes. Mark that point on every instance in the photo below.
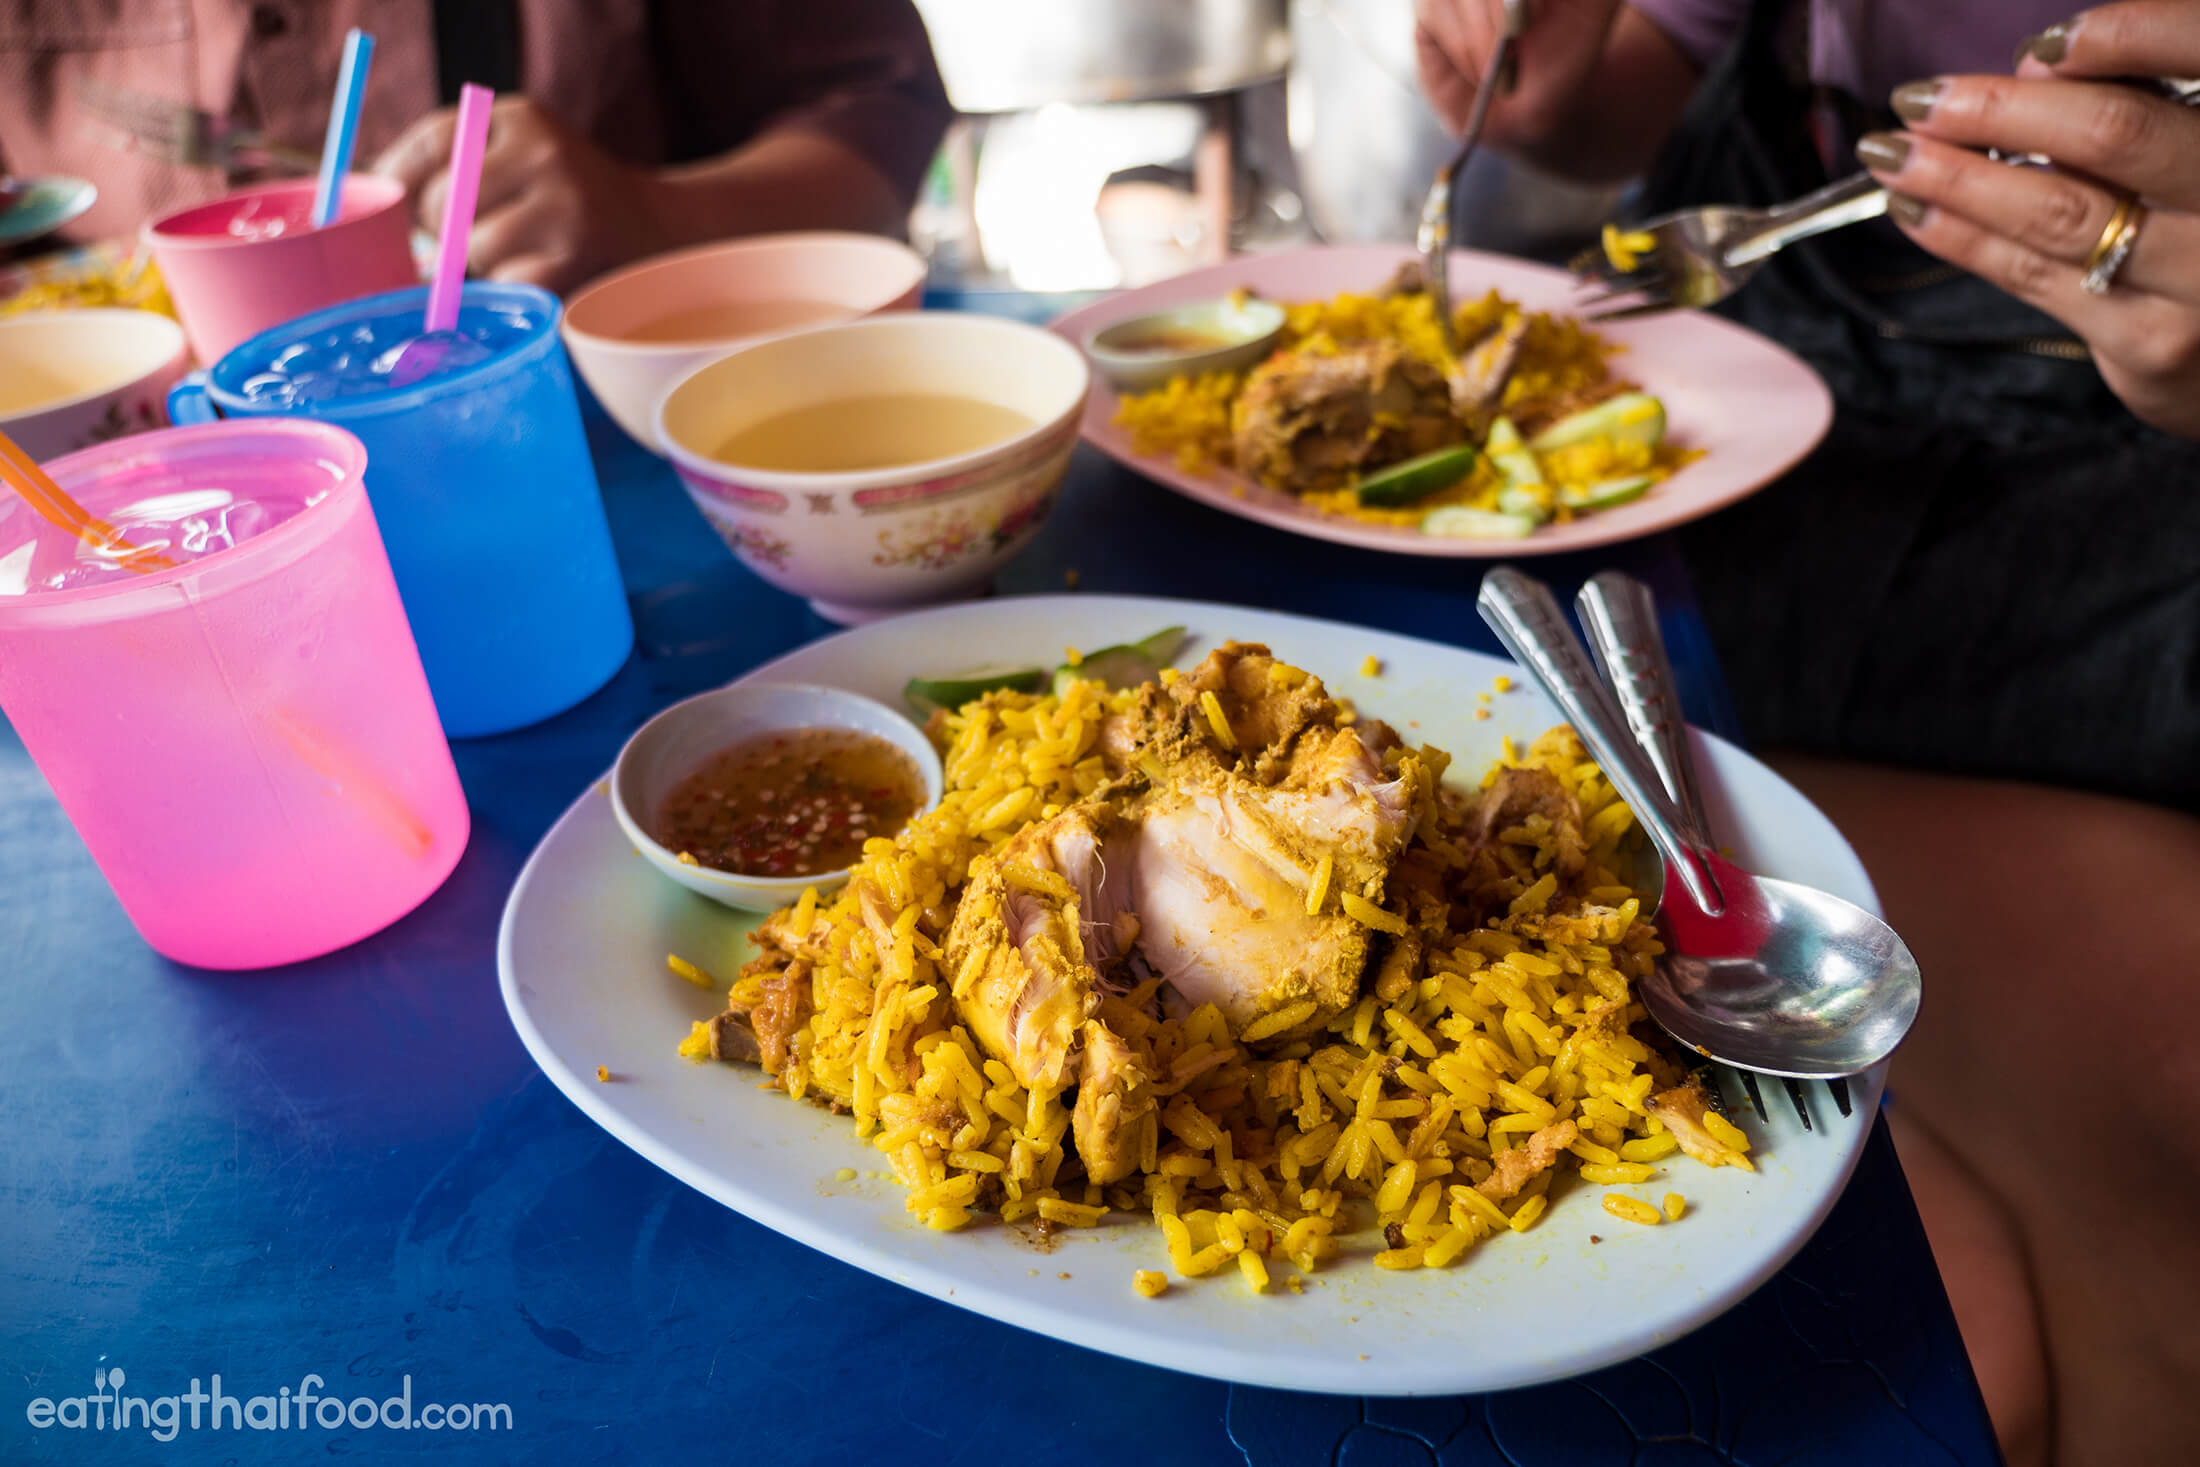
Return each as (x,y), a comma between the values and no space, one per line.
(467,146)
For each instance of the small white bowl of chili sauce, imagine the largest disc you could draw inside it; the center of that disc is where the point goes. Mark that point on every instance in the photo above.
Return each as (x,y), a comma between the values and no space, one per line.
(749,794)
(1228,335)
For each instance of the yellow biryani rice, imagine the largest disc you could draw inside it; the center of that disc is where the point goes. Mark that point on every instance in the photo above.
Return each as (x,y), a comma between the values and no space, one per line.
(1189,419)
(98,278)
(1372,1136)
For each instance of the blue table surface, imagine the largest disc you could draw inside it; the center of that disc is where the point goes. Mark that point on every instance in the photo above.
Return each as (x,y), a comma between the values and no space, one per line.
(351,1169)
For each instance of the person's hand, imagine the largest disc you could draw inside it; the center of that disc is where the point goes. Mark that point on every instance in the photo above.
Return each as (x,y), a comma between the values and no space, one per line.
(2031,231)
(1453,39)
(554,210)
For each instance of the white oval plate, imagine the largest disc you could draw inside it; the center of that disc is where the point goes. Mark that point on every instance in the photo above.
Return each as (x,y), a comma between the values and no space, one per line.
(581,957)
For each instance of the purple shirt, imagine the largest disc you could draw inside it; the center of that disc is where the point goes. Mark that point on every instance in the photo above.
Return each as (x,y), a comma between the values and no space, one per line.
(1867,48)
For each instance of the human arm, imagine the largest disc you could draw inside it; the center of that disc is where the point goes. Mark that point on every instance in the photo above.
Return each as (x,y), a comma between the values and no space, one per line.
(556,210)
(2032,231)
(723,120)
(1601,85)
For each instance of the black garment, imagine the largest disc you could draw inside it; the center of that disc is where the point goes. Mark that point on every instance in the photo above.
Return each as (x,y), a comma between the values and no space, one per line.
(1989,566)
(476,41)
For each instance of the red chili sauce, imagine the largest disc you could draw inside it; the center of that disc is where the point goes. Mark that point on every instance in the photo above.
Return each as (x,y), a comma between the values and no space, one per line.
(798,803)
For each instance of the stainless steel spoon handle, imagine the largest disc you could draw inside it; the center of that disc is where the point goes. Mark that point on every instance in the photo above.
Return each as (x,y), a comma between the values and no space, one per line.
(1620,614)
(1621,617)
(1528,620)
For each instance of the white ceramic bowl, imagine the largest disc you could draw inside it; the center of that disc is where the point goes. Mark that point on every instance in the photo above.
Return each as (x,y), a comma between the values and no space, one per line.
(845,275)
(680,740)
(1242,333)
(862,545)
(107,372)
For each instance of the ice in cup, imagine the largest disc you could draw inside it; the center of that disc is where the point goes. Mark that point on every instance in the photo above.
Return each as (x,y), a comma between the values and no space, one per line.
(245,741)
(252,259)
(481,480)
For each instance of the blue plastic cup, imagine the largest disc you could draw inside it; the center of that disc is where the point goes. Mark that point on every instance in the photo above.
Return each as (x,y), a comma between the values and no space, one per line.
(480,478)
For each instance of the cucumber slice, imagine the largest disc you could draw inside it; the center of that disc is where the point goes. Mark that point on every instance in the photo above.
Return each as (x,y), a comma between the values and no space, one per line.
(1608,492)
(928,693)
(1528,500)
(1511,456)
(1477,524)
(1416,478)
(1631,417)
(1125,666)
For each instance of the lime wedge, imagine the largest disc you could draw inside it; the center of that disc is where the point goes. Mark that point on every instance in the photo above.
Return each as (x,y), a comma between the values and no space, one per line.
(1416,478)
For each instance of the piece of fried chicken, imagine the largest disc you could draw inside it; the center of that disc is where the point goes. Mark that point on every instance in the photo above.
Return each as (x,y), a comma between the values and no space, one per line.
(1196,869)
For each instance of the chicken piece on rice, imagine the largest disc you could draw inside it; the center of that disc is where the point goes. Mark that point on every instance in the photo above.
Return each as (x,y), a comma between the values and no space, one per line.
(1264,704)
(1199,865)
(1030,928)
(1117,1106)
(1515,1168)
(1042,924)
(1224,869)
(1253,782)
(1311,420)
(1477,380)
(1682,1109)
(1519,794)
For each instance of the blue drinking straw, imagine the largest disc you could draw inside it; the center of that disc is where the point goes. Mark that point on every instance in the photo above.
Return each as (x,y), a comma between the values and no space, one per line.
(343,127)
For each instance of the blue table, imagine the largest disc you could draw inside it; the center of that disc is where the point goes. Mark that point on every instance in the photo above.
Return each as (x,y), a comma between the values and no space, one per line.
(351,1170)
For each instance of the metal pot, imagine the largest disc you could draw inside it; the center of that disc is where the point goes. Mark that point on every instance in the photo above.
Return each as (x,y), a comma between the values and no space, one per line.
(1367,144)
(1009,55)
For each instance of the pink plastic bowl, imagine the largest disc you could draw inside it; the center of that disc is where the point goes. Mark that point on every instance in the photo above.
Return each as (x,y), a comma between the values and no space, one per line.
(855,274)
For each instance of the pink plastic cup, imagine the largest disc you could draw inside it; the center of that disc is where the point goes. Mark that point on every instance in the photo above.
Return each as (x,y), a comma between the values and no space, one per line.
(245,741)
(252,259)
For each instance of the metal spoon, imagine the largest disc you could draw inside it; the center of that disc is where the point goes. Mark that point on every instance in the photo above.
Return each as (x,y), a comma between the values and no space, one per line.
(1620,616)
(1763,974)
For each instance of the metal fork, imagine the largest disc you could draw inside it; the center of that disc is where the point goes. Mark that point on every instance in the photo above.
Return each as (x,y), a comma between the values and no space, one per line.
(1434,237)
(1621,617)
(1701,256)
(180,133)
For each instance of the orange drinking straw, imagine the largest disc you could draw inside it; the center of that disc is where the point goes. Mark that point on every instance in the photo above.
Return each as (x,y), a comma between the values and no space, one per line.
(41,493)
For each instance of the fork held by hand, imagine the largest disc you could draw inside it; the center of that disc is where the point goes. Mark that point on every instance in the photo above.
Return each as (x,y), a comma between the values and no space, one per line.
(1434,237)
(1698,257)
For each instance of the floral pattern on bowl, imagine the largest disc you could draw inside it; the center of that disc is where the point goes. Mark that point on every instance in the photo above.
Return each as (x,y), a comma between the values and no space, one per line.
(941,537)
(868,543)
(754,543)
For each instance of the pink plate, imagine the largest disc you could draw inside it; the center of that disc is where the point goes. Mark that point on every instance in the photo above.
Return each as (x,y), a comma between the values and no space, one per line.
(1754,408)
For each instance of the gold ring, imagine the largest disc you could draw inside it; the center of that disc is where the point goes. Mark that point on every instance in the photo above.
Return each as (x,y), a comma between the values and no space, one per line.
(2117,238)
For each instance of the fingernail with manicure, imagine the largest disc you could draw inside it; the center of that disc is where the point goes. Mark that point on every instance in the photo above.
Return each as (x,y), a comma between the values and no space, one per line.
(1914,101)
(1883,152)
(2048,47)
(1906,210)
